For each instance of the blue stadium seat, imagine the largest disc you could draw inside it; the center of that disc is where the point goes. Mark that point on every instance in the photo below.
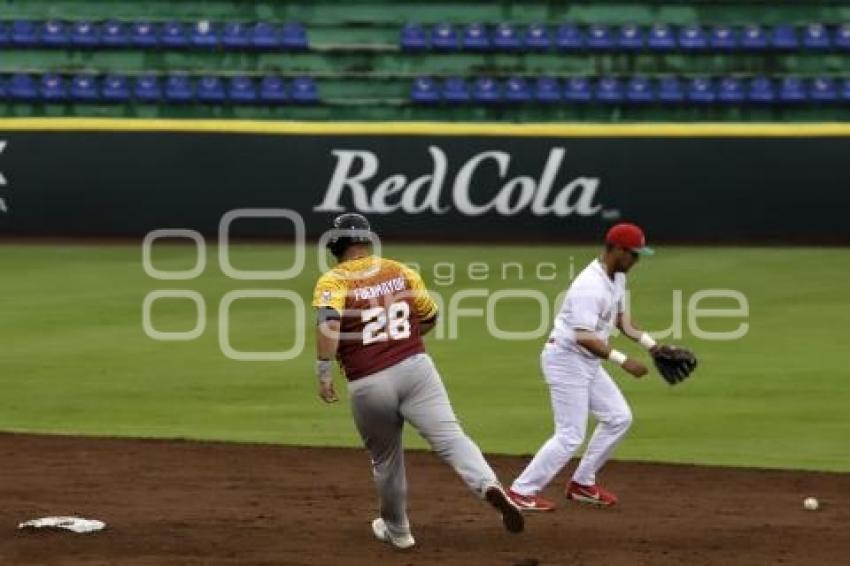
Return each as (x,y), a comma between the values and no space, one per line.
(5,38)
(242,90)
(179,89)
(475,38)
(701,90)
(204,35)
(784,37)
(444,38)
(792,90)
(639,90)
(753,38)
(54,33)
(577,89)
(294,36)
(144,35)
(823,89)
(425,90)
(842,37)
(273,90)
(486,91)
(85,34)
(22,87)
(537,37)
(210,90)
(53,88)
(265,36)
(414,38)
(304,90)
(24,33)
(631,38)
(115,34)
(609,90)
(816,36)
(760,90)
(507,38)
(174,35)
(84,88)
(693,38)
(730,91)
(547,89)
(599,38)
(147,88)
(455,90)
(723,38)
(235,35)
(115,88)
(517,90)
(568,37)
(661,38)
(670,90)
(845,90)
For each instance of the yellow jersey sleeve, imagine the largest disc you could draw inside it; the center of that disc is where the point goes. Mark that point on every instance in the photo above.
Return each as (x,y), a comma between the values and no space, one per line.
(330,292)
(423,305)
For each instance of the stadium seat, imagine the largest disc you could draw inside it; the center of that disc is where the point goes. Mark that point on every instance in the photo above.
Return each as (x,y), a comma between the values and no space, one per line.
(599,38)
(455,90)
(816,37)
(723,38)
(547,89)
(609,90)
(272,90)
(792,90)
(85,34)
(115,34)
(753,38)
(174,35)
(179,88)
(507,38)
(760,90)
(115,88)
(577,89)
(203,35)
(630,38)
(842,37)
(475,38)
(568,37)
(144,35)
(784,36)
(701,90)
(692,38)
(242,90)
(639,90)
(4,34)
(517,90)
(670,90)
(210,90)
(235,35)
(730,91)
(304,90)
(147,88)
(84,88)
(294,36)
(414,38)
(845,90)
(22,87)
(54,33)
(425,90)
(444,38)
(537,37)
(265,36)
(823,89)
(486,91)
(661,38)
(24,33)
(53,88)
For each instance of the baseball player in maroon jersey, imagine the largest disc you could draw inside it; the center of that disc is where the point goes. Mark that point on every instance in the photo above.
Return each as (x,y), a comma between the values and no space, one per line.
(372,313)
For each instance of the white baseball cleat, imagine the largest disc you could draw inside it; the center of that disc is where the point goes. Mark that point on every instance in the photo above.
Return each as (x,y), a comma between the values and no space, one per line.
(383,534)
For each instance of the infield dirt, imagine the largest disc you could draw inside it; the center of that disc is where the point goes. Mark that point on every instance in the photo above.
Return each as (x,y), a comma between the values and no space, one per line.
(179,502)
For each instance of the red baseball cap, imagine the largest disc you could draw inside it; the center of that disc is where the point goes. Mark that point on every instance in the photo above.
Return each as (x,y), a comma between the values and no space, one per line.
(630,237)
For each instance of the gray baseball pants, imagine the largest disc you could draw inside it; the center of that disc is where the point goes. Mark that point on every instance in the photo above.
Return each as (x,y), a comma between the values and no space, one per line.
(411,391)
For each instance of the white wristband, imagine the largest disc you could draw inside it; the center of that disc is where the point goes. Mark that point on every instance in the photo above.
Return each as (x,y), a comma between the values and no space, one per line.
(646,341)
(617,357)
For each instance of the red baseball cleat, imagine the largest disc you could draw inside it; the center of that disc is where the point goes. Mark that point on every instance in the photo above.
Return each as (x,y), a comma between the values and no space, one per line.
(531,502)
(592,494)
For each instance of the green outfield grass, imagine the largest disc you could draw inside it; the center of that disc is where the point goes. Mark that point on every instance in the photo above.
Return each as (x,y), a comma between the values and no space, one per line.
(75,358)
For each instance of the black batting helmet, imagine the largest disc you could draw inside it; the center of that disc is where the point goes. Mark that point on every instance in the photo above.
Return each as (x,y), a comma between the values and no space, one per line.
(349,228)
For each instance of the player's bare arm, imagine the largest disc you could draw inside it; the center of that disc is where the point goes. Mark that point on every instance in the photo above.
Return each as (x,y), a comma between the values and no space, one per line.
(599,348)
(327,342)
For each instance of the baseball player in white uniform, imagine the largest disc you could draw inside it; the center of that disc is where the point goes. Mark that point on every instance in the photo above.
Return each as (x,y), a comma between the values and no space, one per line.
(579,385)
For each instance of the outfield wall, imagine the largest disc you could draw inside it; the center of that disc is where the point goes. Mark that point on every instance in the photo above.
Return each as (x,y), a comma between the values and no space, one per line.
(706,183)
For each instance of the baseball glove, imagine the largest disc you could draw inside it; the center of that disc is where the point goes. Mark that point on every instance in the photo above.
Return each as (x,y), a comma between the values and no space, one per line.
(673,363)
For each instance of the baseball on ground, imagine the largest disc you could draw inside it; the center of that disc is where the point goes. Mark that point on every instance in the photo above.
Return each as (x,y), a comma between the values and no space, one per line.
(810,504)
